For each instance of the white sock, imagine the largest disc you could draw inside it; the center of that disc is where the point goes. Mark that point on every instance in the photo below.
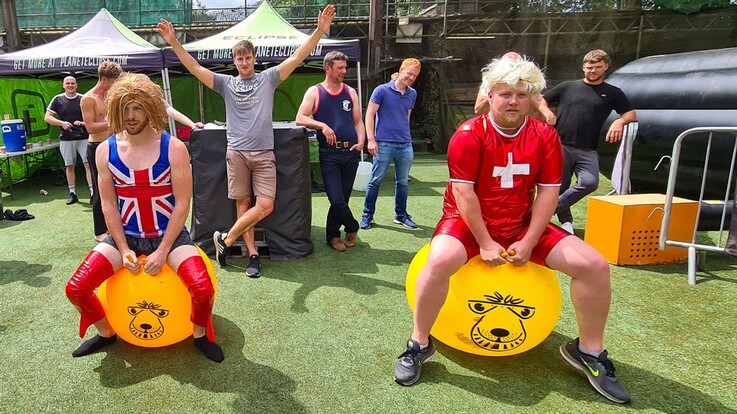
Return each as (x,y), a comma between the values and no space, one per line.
(91,191)
(594,354)
(72,189)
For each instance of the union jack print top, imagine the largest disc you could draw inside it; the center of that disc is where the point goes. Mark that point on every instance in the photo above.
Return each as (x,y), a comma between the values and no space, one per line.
(145,197)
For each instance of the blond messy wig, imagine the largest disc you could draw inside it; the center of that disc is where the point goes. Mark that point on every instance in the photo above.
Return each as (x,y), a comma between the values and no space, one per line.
(135,87)
(512,70)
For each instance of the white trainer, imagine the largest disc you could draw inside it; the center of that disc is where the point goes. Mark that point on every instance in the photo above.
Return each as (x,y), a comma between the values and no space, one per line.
(567,226)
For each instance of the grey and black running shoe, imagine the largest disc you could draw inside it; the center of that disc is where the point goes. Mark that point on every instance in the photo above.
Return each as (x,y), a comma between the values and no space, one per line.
(599,371)
(409,365)
(253,269)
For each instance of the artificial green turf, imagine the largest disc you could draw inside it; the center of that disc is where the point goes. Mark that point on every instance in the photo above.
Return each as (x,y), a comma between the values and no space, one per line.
(321,334)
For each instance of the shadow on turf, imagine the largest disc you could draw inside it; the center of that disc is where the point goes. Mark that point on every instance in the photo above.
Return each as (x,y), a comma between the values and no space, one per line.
(258,388)
(421,232)
(528,379)
(28,273)
(679,271)
(328,268)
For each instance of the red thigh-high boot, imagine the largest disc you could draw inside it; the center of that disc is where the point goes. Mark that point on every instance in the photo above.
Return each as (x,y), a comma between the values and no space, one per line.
(80,290)
(193,273)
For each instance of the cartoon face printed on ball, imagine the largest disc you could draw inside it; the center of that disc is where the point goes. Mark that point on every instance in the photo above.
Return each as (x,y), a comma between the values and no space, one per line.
(146,322)
(150,311)
(501,326)
(493,311)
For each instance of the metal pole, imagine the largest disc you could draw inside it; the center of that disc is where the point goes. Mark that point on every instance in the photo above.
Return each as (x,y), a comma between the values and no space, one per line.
(201,93)
(639,37)
(167,97)
(445,17)
(547,41)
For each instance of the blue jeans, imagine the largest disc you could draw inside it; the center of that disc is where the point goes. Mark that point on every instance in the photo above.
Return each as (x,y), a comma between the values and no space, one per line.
(402,155)
(338,168)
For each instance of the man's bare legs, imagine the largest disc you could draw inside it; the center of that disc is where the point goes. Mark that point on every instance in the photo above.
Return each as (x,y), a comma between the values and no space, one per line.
(590,288)
(248,217)
(242,206)
(446,256)
(591,296)
(88,173)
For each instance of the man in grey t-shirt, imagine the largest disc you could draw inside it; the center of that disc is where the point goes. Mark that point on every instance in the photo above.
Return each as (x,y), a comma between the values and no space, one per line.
(249,102)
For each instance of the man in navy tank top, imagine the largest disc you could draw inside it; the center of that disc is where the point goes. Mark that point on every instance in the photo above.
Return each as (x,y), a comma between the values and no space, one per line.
(145,187)
(333,110)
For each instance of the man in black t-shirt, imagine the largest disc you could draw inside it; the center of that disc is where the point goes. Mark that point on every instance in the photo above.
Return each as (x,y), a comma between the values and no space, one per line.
(65,112)
(583,107)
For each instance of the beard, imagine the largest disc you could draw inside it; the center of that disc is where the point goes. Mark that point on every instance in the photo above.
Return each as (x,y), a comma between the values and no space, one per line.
(135,130)
(510,120)
(594,77)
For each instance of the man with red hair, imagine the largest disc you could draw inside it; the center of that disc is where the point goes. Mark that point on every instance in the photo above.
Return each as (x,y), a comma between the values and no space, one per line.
(145,187)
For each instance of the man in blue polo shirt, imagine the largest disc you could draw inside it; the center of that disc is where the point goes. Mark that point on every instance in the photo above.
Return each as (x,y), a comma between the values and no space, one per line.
(389,139)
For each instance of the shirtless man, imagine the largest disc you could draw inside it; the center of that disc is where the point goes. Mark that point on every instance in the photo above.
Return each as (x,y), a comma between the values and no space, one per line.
(94,112)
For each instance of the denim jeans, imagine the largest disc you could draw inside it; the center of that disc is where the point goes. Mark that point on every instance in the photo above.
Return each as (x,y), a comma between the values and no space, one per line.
(402,155)
(585,164)
(338,168)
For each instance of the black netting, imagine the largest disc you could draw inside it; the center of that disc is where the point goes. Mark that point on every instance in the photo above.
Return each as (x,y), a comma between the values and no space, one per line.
(75,13)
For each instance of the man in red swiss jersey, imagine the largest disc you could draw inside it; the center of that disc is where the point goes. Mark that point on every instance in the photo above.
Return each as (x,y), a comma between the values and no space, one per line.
(505,174)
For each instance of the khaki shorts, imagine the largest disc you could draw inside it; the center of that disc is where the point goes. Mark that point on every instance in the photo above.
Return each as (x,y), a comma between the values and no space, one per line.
(251,173)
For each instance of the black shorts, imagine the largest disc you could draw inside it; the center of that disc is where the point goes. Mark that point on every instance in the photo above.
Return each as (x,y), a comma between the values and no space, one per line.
(147,246)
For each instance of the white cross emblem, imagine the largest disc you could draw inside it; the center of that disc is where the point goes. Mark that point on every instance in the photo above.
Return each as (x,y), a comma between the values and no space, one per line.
(509,171)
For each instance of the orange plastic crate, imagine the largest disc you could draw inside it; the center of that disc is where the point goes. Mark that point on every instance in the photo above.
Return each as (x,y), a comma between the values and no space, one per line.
(625,229)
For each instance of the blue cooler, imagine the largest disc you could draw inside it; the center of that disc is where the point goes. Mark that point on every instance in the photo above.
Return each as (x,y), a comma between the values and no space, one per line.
(14,135)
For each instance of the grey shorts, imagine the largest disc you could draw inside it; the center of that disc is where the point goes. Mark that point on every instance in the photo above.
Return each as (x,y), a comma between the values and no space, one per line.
(148,246)
(70,149)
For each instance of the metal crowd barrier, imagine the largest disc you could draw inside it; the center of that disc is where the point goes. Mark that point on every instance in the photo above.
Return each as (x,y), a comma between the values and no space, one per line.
(692,246)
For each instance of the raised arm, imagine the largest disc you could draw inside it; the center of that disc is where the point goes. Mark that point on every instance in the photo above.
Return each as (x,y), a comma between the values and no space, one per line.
(324,20)
(206,76)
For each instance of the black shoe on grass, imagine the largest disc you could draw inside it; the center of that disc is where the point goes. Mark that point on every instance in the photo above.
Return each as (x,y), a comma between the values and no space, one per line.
(72,198)
(253,269)
(409,364)
(599,371)
(221,250)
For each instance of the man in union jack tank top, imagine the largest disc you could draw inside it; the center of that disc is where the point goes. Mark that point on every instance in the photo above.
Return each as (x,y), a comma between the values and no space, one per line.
(145,186)
(505,172)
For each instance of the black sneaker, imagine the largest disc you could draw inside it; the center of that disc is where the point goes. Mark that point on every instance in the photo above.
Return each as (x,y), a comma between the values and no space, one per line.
(221,250)
(253,269)
(599,371)
(72,198)
(408,367)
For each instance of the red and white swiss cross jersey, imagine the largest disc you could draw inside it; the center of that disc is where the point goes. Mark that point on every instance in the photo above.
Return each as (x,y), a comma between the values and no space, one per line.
(504,169)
